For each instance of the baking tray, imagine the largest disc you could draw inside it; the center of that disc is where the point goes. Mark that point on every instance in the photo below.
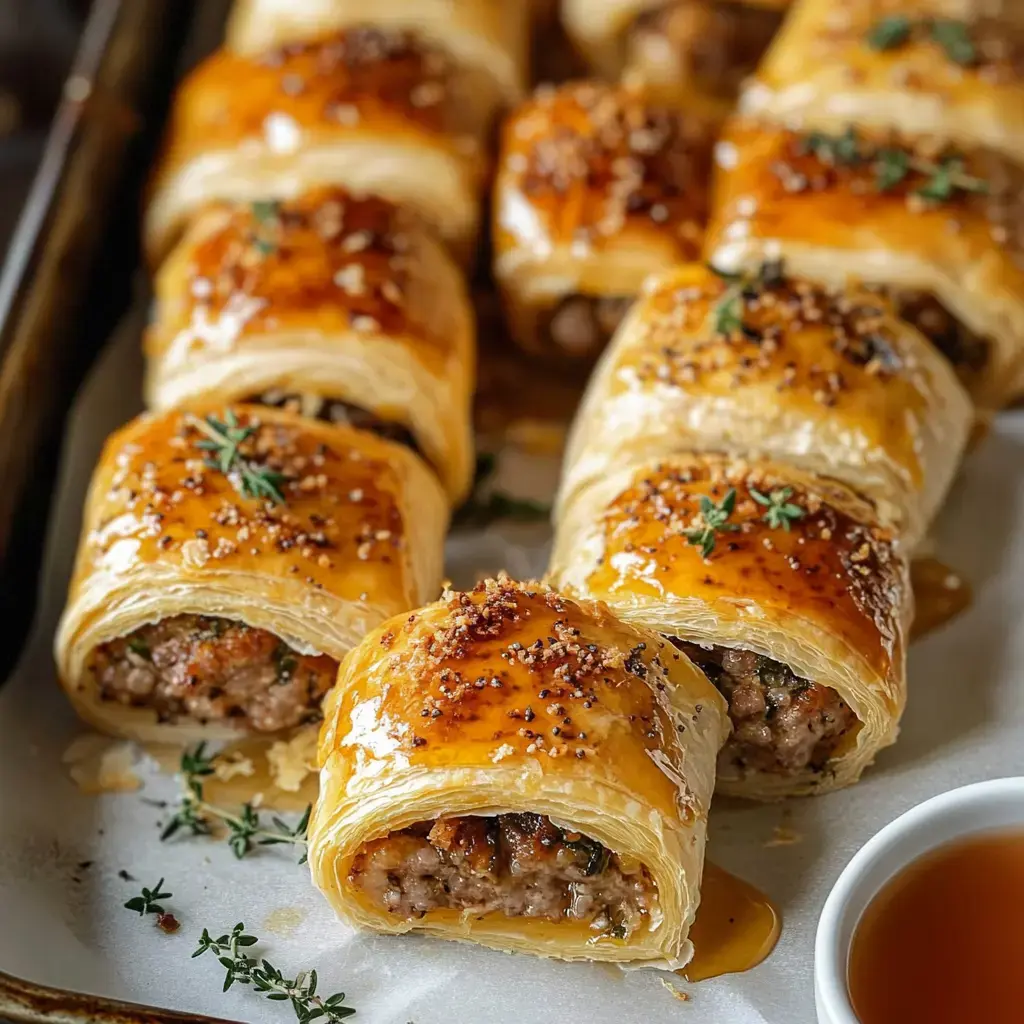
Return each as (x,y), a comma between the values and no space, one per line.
(70,952)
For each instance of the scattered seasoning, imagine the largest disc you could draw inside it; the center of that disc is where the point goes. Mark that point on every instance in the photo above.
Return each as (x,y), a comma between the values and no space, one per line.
(780,510)
(223,438)
(714,520)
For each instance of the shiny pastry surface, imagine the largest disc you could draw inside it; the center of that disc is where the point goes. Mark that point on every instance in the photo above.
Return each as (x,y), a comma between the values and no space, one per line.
(477,721)
(831,381)
(596,188)
(929,67)
(366,108)
(225,526)
(916,216)
(761,560)
(331,299)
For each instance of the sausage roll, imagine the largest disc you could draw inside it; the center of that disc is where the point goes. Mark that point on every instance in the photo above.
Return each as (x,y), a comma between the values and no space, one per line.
(229,559)
(704,47)
(940,229)
(491,35)
(515,769)
(830,381)
(345,307)
(369,109)
(934,67)
(779,584)
(596,188)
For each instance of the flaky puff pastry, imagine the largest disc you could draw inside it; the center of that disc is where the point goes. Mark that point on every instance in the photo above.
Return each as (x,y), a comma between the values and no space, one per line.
(927,67)
(596,189)
(600,29)
(511,699)
(372,110)
(830,381)
(492,35)
(816,586)
(358,537)
(327,296)
(915,216)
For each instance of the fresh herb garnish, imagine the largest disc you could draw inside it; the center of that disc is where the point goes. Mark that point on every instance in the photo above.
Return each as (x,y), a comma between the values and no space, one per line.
(946,178)
(139,646)
(222,441)
(955,39)
(781,512)
(146,903)
(245,829)
(714,520)
(265,213)
(480,510)
(891,168)
(889,33)
(839,150)
(729,309)
(300,991)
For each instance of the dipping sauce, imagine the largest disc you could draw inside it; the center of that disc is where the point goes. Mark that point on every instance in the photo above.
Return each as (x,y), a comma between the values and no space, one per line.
(944,941)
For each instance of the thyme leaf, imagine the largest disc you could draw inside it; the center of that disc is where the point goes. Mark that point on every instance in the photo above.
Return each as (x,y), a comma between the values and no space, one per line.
(889,33)
(222,440)
(955,38)
(146,902)
(781,512)
(713,520)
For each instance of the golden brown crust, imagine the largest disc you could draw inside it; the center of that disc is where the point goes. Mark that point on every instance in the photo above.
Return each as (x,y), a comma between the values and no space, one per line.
(825,591)
(511,697)
(910,214)
(923,67)
(831,381)
(326,295)
(364,108)
(596,188)
(315,533)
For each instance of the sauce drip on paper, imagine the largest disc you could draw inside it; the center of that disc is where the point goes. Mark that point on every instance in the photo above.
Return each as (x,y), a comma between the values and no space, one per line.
(940,594)
(942,942)
(737,926)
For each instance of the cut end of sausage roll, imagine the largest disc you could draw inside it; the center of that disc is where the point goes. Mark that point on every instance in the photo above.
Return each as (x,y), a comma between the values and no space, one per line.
(778,584)
(344,307)
(368,109)
(478,33)
(923,67)
(941,230)
(516,769)
(829,380)
(229,558)
(597,187)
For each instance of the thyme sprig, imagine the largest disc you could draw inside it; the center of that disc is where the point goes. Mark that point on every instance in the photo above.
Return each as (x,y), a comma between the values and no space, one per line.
(780,511)
(223,438)
(300,991)
(246,829)
(896,30)
(741,288)
(714,519)
(892,165)
(266,213)
(146,903)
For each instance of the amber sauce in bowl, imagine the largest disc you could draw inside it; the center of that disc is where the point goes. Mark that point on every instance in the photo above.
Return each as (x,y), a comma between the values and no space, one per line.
(943,941)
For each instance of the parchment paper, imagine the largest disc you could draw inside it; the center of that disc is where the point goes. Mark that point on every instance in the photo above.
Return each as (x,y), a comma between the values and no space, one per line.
(63,924)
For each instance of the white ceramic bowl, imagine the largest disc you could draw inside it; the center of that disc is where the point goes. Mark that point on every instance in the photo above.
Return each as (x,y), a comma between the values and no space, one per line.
(983,807)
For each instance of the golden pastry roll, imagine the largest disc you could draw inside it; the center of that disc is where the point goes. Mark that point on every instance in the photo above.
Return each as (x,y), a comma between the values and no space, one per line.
(596,189)
(935,227)
(778,584)
(229,558)
(491,36)
(369,109)
(516,769)
(702,45)
(952,70)
(345,308)
(830,381)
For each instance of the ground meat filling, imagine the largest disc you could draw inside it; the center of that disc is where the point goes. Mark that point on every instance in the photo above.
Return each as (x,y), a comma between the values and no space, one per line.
(967,351)
(781,723)
(334,410)
(582,325)
(210,669)
(719,44)
(520,865)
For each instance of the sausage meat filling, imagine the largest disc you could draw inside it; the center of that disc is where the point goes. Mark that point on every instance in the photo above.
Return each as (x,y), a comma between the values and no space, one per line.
(718,44)
(582,325)
(520,865)
(967,351)
(334,410)
(781,723)
(210,669)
